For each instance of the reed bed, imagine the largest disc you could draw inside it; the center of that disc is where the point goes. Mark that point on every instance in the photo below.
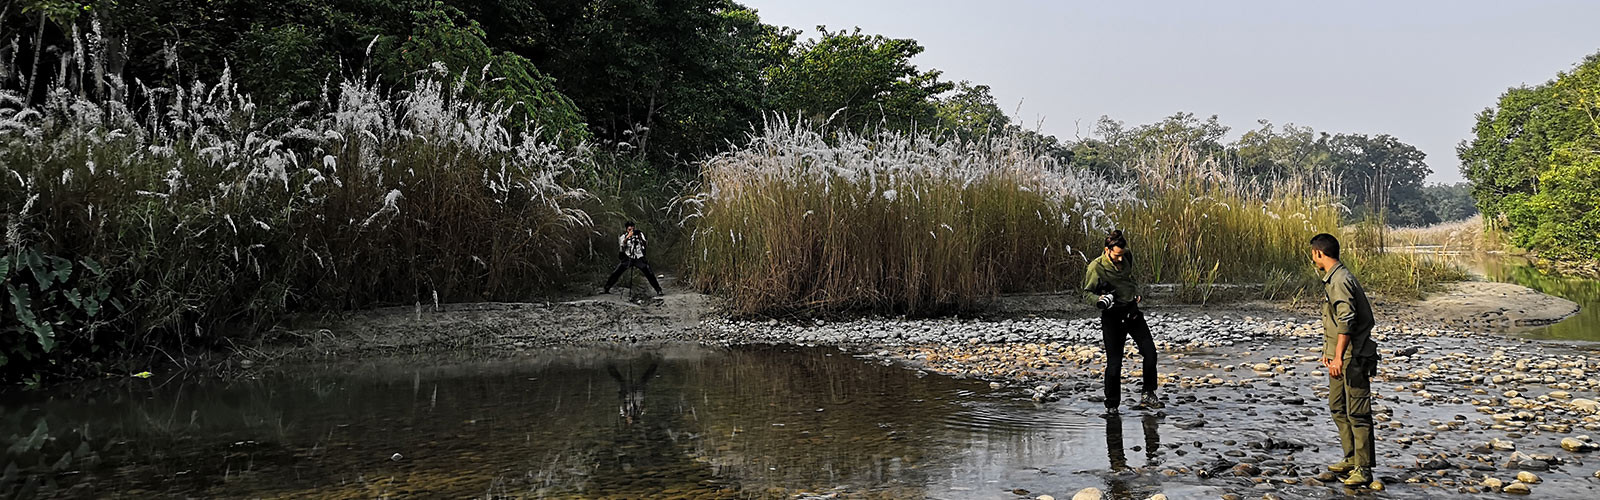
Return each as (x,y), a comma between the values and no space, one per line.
(806,220)
(189,214)
(1197,223)
(1402,275)
(797,220)
(1466,235)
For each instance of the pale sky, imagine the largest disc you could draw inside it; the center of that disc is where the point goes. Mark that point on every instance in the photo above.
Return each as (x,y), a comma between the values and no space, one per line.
(1417,70)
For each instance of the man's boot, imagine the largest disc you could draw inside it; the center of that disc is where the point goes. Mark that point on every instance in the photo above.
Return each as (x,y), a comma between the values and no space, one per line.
(1359,477)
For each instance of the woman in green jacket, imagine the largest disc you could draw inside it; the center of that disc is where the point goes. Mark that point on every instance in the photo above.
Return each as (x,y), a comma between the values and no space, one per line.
(1110,279)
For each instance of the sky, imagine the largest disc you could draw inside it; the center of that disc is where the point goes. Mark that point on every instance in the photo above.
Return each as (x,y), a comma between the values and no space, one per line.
(1417,70)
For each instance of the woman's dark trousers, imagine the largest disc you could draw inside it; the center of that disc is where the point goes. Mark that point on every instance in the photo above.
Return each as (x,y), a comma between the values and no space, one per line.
(1116,325)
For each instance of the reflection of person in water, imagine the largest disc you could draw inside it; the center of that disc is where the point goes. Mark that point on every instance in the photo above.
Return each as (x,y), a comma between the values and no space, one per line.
(1123,479)
(631,392)
(1152,442)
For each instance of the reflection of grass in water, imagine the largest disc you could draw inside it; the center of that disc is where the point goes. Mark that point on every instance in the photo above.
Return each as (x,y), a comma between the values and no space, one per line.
(498,433)
(869,430)
(1586,292)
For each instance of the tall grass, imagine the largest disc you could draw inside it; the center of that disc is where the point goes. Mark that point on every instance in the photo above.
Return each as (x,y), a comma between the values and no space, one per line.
(1467,235)
(1198,223)
(206,217)
(1401,275)
(796,220)
(803,219)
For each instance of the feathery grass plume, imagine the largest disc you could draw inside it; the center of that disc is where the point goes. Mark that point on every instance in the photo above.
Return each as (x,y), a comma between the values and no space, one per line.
(805,219)
(205,216)
(1199,222)
(802,218)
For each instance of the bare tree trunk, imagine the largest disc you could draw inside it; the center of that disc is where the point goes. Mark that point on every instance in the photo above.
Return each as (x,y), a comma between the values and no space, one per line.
(33,73)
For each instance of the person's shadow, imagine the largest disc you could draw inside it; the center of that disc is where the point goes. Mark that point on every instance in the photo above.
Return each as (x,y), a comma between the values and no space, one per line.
(1117,455)
(630,392)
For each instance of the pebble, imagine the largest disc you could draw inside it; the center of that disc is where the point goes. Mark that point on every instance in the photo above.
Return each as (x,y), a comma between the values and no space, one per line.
(1493,484)
(1576,445)
(1527,477)
(1088,494)
(1517,488)
(1501,444)
(1586,405)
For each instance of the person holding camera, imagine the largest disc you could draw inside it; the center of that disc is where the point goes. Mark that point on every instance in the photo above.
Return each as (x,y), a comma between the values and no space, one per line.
(630,253)
(1110,278)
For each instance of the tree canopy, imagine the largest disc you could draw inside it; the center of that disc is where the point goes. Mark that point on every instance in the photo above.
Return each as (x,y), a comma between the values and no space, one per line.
(1534,160)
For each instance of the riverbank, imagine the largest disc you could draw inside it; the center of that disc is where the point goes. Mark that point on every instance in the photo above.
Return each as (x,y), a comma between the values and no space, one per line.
(1460,402)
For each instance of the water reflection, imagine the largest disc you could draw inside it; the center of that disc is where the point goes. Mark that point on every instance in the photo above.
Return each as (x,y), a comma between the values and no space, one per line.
(1124,481)
(577,423)
(1513,269)
(630,390)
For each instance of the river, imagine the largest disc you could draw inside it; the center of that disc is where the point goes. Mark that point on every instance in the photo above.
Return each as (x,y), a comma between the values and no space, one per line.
(667,420)
(1585,326)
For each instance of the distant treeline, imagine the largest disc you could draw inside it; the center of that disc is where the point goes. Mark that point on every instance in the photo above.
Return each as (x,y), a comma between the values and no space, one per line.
(1378,176)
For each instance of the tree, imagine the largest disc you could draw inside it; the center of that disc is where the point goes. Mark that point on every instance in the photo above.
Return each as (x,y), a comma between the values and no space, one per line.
(1535,163)
(971,110)
(858,81)
(1382,178)
(1114,149)
(672,79)
(1268,152)
(1451,202)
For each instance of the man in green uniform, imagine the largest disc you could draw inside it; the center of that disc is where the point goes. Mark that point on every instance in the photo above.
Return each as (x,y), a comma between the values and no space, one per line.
(1351,358)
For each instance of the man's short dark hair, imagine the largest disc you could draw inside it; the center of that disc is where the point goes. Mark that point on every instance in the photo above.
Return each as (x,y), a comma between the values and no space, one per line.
(628,224)
(1327,244)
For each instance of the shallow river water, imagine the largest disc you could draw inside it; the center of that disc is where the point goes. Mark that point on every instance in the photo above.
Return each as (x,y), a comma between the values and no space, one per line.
(1584,326)
(664,421)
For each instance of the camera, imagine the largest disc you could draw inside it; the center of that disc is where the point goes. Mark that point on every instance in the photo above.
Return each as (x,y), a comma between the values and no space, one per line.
(1106,301)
